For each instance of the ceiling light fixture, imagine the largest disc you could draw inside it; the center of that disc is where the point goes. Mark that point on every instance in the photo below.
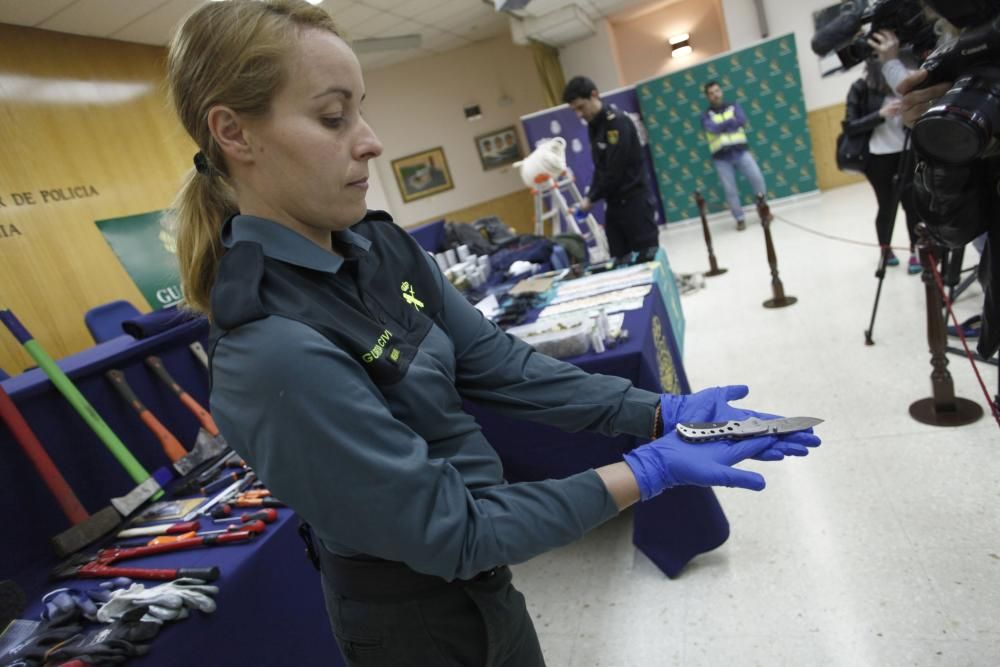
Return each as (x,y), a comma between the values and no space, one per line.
(680,45)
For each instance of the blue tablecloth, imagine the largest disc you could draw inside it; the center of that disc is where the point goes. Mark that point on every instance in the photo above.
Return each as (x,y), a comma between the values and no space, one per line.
(270,605)
(670,529)
(271,609)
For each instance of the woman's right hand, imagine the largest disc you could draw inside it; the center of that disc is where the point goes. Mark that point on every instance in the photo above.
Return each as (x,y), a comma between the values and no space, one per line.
(885,44)
(670,461)
(891,109)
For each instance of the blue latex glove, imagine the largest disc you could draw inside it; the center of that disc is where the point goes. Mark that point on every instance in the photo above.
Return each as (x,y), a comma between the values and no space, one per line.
(670,461)
(712,405)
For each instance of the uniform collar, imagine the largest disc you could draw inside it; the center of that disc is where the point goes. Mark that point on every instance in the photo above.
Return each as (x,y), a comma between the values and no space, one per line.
(281,243)
(607,111)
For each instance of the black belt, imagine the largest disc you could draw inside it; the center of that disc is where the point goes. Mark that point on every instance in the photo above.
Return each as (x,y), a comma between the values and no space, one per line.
(372,579)
(383,580)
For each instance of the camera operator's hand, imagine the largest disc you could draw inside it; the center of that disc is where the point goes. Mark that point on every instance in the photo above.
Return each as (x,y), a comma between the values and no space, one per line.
(891,109)
(885,44)
(916,102)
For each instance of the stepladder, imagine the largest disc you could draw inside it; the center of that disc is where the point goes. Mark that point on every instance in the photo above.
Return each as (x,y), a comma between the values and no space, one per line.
(551,206)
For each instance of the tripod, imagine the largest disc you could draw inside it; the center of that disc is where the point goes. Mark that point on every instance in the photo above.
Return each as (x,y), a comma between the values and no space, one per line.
(904,164)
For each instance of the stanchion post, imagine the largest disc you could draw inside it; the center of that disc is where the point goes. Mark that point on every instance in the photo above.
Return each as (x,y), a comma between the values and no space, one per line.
(779,299)
(943,408)
(714,269)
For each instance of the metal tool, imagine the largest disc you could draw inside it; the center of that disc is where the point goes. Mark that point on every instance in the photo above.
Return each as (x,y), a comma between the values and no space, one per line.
(76,399)
(199,353)
(101,565)
(209,441)
(183,462)
(745,428)
(162,529)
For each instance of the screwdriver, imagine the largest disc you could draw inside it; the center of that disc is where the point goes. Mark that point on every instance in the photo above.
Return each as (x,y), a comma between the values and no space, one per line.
(258,502)
(163,529)
(222,482)
(253,527)
(267,516)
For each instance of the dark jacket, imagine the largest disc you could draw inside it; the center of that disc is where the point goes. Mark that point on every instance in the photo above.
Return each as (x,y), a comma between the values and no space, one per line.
(863,105)
(619,169)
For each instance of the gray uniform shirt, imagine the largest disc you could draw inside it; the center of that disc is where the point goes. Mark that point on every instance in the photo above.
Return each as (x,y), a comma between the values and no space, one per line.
(401,472)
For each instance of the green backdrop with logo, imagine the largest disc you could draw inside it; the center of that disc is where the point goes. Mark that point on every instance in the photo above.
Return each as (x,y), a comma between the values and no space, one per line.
(765,80)
(148,253)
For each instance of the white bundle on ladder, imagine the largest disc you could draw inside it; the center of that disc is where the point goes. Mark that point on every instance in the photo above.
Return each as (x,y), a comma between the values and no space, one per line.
(546,173)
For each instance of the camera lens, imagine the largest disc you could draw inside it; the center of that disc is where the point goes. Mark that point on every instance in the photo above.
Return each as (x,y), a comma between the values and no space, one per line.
(961,126)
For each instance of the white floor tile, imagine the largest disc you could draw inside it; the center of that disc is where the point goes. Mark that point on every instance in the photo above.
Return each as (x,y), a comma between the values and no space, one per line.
(881,548)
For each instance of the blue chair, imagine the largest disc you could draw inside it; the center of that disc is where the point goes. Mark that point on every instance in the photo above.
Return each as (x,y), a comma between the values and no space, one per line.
(105,321)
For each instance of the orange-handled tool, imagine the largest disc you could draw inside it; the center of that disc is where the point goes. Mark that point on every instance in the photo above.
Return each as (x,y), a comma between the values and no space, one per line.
(173,449)
(156,365)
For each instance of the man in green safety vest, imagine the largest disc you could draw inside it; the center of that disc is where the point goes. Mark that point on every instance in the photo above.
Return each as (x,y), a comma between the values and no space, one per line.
(723,124)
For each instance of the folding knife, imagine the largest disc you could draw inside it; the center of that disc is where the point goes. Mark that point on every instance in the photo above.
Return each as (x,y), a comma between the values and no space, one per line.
(744,428)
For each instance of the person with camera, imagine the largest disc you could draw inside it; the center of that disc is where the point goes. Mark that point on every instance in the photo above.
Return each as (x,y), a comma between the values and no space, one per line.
(957,184)
(873,117)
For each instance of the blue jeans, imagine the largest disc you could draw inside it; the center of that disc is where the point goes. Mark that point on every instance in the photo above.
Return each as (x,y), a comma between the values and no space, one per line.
(747,166)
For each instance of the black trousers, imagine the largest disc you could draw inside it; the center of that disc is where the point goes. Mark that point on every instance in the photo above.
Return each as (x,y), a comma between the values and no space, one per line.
(384,617)
(629,224)
(881,172)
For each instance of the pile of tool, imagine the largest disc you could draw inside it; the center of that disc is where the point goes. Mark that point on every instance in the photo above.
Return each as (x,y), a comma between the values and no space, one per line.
(110,621)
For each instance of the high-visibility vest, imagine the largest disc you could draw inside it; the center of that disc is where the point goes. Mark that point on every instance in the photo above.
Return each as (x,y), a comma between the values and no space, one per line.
(716,142)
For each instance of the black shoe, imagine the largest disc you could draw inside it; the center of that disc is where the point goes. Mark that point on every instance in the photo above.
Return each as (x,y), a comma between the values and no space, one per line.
(741,225)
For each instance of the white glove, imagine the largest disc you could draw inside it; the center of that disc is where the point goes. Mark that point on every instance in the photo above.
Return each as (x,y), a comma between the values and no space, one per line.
(166,602)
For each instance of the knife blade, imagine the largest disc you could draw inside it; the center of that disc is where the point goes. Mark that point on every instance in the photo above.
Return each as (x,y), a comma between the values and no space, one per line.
(744,428)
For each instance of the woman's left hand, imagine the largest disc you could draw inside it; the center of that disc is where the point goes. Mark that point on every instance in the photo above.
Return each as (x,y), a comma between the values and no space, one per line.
(886,45)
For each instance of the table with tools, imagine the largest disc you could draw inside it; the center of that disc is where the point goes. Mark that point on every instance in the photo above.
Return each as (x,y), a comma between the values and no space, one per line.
(266,586)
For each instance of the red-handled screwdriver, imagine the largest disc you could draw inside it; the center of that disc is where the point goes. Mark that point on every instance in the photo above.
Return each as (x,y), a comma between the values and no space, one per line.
(267,516)
(252,527)
(162,529)
(258,502)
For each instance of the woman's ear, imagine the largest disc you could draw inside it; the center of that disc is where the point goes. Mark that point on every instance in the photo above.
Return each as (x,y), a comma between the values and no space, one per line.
(230,133)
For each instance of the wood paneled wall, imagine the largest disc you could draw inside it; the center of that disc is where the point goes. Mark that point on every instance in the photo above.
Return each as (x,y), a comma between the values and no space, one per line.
(86,134)
(824,126)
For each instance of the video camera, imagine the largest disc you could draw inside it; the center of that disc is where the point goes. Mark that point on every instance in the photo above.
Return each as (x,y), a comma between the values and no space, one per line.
(845,37)
(964,124)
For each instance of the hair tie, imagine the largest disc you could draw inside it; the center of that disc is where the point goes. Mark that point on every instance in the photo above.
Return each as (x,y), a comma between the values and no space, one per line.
(201,164)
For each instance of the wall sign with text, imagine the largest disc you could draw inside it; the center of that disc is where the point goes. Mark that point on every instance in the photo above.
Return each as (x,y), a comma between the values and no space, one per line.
(149,254)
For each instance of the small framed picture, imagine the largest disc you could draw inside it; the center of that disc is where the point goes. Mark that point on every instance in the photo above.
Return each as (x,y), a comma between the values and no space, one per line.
(422,174)
(499,148)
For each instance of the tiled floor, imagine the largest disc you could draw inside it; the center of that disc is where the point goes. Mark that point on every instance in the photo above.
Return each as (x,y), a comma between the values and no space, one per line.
(882,548)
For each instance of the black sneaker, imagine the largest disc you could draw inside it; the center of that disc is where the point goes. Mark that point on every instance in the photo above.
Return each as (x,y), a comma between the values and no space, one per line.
(741,225)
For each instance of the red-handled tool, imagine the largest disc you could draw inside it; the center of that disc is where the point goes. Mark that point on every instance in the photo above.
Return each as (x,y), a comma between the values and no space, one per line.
(39,458)
(257,502)
(267,516)
(156,365)
(100,566)
(162,529)
(173,449)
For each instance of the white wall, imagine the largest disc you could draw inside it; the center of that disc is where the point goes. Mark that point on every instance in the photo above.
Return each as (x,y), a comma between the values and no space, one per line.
(418,105)
(784,16)
(595,57)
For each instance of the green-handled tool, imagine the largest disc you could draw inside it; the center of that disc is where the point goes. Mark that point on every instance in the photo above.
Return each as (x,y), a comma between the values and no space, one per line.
(79,402)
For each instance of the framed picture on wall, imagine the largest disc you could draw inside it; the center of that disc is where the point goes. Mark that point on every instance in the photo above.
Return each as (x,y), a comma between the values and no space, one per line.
(499,148)
(422,174)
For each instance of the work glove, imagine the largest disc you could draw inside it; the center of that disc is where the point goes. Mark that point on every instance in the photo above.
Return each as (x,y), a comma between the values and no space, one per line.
(712,405)
(67,604)
(32,651)
(166,602)
(670,461)
(114,644)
